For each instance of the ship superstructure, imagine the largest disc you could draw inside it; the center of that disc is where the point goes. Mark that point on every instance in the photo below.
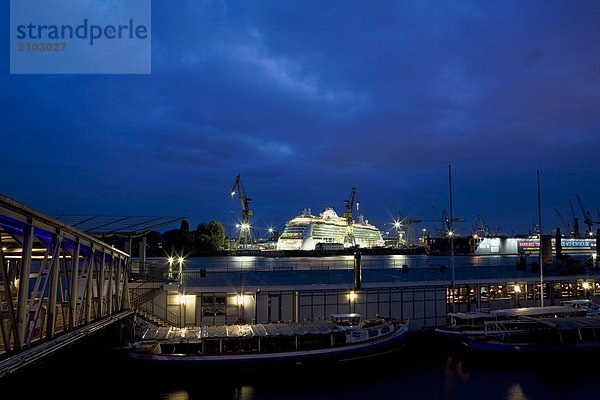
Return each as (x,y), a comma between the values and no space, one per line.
(306,231)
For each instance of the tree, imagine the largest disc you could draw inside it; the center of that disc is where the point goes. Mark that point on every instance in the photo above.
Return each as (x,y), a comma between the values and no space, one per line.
(209,237)
(185,225)
(178,242)
(216,232)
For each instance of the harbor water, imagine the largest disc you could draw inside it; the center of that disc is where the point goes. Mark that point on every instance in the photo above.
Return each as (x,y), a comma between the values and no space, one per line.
(420,370)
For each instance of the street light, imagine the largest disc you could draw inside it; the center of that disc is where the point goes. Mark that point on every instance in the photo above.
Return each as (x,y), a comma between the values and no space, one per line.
(517,289)
(180,260)
(586,287)
(170,260)
(352,296)
(397,226)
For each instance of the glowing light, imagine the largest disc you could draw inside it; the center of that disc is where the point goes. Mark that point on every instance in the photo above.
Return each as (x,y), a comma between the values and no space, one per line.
(241,299)
(171,260)
(474,236)
(233,193)
(178,395)
(396,224)
(185,299)
(450,233)
(270,230)
(4,248)
(352,296)
(517,288)
(180,260)
(245,225)
(585,285)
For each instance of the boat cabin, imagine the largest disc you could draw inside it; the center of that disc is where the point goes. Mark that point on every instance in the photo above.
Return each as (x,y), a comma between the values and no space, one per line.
(350,319)
(588,305)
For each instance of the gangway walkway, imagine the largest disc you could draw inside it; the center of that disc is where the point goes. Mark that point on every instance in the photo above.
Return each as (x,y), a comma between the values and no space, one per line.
(57,284)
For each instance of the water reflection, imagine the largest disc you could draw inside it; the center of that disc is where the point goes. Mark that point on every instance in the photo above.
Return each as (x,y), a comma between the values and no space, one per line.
(177,395)
(244,392)
(515,392)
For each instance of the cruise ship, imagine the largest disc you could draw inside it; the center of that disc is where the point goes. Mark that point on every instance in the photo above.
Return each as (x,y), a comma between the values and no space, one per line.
(327,230)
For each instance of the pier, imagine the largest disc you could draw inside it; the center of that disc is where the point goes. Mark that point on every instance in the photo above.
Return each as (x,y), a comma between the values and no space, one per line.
(57,285)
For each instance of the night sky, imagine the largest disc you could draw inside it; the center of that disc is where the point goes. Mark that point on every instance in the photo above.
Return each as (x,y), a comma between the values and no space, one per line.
(305,99)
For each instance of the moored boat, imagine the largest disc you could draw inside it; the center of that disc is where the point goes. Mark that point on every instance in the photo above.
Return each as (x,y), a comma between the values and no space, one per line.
(591,308)
(483,322)
(567,335)
(344,337)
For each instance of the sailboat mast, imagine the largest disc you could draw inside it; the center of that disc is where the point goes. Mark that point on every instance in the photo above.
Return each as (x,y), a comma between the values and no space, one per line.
(540,255)
(451,233)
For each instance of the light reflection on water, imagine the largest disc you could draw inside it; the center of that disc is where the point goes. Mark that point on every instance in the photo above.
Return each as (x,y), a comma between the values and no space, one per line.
(245,392)
(177,395)
(515,392)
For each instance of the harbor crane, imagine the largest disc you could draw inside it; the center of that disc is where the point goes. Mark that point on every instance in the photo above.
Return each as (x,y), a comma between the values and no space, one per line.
(566,226)
(481,227)
(245,237)
(587,218)
(349,239)
(575,226)
(405,226)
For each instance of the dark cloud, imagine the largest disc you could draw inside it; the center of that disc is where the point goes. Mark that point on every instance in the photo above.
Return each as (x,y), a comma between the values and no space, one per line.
(306,98)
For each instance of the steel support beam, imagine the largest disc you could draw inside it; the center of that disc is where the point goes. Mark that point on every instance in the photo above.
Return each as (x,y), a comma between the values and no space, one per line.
(22,298)
(74,286)
(88,288)
(126,305)
(109,289)
(9,305)
(102,267)
(53,276)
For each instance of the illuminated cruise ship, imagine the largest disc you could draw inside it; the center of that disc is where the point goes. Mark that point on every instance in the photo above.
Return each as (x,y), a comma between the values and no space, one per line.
(306,231)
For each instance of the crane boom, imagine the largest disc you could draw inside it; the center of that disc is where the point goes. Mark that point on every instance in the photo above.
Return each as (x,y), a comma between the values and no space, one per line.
(575,230)
(350,206)
(245,238)
(587,218)
(349,239)
(562,220)
(244,199)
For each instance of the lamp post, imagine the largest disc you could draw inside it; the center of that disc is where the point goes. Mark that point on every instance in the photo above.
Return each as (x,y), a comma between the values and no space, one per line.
(182,300)
(517,289)
(586,286)
(180,260)
(170,260)
(397,226)
(352,300)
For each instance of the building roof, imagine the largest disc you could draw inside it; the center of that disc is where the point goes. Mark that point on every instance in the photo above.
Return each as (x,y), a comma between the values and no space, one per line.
(124,225)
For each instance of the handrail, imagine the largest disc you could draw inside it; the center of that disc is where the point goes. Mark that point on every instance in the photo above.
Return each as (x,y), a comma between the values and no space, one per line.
(168,316)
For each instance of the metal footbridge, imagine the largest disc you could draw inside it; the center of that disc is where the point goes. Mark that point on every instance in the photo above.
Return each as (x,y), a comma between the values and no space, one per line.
(57,285)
